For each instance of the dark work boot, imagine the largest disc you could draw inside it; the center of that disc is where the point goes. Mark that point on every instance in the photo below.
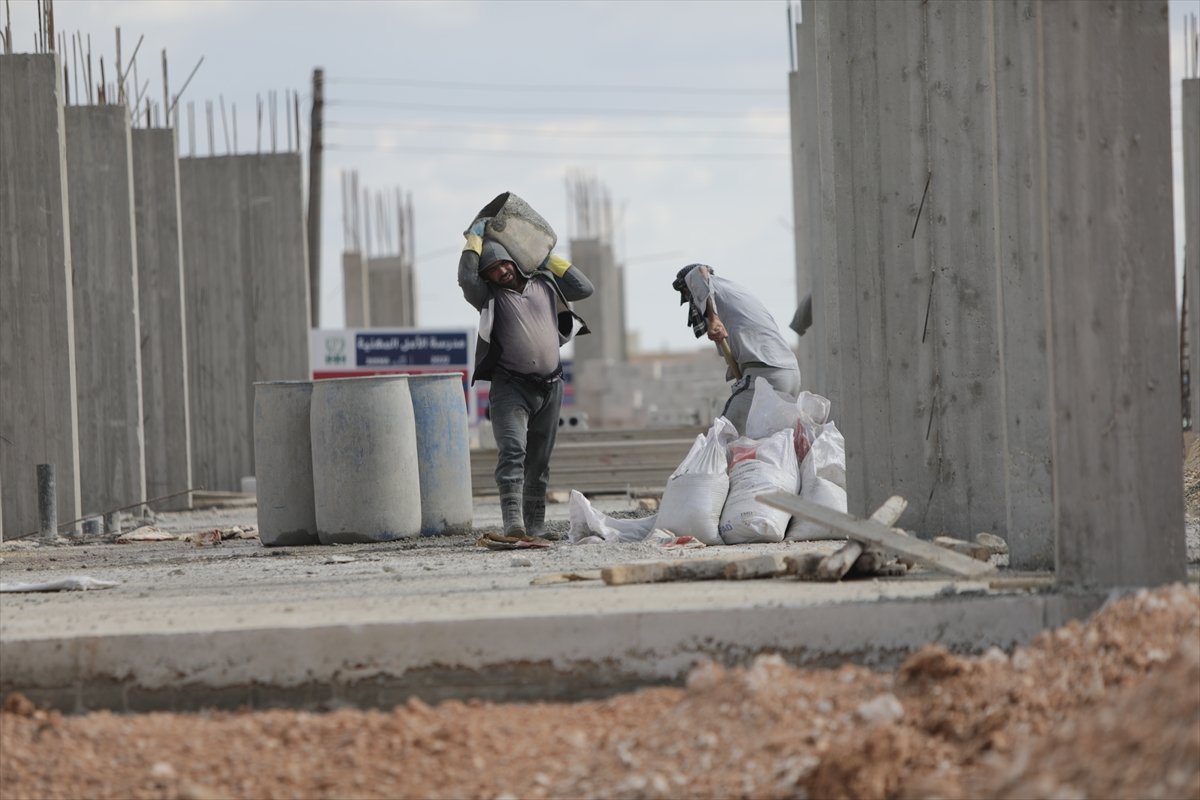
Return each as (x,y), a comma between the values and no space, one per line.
(535,516)
(510,507)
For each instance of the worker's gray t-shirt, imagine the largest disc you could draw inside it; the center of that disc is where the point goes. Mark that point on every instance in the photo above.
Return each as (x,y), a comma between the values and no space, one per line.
(753,335)
(526,327)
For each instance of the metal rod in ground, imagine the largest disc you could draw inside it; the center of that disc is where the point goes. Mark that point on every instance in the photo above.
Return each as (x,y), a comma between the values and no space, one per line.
(47,501)
(138,504)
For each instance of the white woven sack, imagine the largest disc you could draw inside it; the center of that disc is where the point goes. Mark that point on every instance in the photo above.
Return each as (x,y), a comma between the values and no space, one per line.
(695,493)
(761,465)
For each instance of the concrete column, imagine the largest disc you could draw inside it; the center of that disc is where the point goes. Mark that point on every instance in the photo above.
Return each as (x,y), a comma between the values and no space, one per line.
(247,289)
(965,456)
(163,314)
(38,416)
(217,335)
(354,289)
(831,21)
(112,465)
(930,262)
(1108,228)
(1020,271)
(1191,222)
(277,278)
(388,278)
(603,309)
(806,191)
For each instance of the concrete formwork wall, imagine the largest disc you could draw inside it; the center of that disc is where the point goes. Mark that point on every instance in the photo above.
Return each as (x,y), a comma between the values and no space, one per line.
(937,330)
(38,415)
(806,192)
(163,315)
(354,289)
(603,310)
(217,339)
(1020,270)
(108,362)
(389,293)
(1191,222)
(247,290)
(1106,178)
(277,257)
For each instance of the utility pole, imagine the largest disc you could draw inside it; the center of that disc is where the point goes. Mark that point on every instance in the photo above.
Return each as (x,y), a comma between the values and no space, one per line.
(316,143)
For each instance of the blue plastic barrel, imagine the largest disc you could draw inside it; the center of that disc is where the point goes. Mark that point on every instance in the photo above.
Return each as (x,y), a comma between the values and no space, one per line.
(364,453)
(283,463)
(443,453)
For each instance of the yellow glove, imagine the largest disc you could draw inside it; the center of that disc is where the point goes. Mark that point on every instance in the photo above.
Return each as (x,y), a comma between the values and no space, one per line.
(557,264)
(474,237)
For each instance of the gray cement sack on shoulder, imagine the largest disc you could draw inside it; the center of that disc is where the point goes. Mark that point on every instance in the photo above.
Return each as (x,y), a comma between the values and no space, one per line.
(695,493)
(757,466)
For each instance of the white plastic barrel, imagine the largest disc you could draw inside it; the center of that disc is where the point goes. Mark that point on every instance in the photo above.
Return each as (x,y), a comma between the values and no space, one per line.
(364,456)
(283,463)
(443,452)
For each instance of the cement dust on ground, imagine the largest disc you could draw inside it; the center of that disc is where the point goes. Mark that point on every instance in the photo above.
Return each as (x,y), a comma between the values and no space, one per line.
(1109,708)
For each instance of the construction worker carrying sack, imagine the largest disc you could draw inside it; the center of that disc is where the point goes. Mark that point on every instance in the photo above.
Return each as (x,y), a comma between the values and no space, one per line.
(524,319)
(740,324)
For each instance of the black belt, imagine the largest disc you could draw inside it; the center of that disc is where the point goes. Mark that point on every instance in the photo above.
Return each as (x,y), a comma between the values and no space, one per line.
(533,378)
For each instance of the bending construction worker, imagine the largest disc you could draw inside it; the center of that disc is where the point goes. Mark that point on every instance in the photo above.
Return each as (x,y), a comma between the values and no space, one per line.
(524,319)
(726,311)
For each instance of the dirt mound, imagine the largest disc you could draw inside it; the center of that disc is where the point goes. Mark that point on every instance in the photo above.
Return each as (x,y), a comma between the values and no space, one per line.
(1110,708)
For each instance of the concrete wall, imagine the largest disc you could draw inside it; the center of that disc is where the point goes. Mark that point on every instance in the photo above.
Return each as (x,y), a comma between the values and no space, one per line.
(389,294)
(930,276)
(1191,221)
(38,416)
(355,286)
(247,289)
(108,361)
(806,193)
(1106,178)
(163,315)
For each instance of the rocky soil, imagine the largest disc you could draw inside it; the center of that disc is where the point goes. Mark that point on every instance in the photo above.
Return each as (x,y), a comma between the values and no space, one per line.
(1109,708)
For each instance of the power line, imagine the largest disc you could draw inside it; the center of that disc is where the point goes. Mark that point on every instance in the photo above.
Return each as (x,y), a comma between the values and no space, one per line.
(560,156)
(475,109)
(552,87)
(417,127)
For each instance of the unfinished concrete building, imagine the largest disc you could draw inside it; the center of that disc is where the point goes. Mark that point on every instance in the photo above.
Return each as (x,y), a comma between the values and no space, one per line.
(378,273)
(600,356)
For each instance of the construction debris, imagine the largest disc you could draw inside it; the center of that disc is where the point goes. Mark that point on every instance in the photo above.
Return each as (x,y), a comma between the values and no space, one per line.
(75,583)
(870,532)
(146,533)
(498,541)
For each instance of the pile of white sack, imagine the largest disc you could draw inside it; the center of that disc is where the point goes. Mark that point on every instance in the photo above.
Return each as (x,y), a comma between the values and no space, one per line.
(789,445)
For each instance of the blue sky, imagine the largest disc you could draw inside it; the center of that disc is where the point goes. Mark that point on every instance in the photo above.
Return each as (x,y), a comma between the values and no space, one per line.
(678,109)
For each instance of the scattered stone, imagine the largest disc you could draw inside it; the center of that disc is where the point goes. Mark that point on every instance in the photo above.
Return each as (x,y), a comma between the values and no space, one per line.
(146,533)
(884,708)
(520,561)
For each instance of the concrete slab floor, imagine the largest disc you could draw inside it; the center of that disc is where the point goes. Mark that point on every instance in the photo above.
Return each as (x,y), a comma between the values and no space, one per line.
(240,624)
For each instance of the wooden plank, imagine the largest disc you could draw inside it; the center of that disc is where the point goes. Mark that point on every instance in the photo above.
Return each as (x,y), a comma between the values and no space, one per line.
(764,566)
(835,566)
(872,533)
(688,569)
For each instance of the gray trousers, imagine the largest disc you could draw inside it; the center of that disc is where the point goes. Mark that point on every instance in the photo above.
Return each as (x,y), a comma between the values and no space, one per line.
(737,407)
(525,423)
